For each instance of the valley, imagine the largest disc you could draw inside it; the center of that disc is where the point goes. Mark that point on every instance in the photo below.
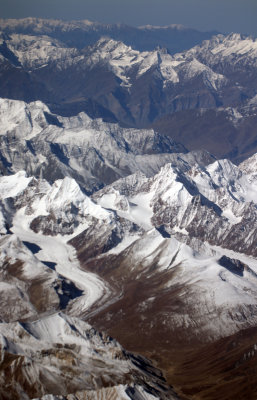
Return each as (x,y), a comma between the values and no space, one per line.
(128,213)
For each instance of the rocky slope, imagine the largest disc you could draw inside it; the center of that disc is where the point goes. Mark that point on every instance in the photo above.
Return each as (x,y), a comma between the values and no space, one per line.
(172,256)
(42,350)
(63,355)
(211,209)
(214,81)
(184,295)
(231,126)
(93,152)
(122,227)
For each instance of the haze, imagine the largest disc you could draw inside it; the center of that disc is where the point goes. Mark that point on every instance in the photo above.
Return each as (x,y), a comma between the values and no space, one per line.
(223,15)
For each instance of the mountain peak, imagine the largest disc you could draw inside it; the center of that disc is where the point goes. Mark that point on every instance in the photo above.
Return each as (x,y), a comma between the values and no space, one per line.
(110,45)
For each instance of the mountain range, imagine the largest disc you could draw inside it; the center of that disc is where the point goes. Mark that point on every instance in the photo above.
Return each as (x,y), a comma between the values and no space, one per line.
(128,213)
(213,83)
(80,34)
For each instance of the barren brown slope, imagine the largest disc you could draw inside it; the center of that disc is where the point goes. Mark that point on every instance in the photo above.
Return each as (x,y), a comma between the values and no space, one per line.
(211,130)
(224,370)
(195,364)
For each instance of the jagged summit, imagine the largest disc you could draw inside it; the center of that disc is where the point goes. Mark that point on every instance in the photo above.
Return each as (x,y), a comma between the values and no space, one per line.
(71,344)
(107,225)
(240,49)
(92,151)
(187,230)
(114,80)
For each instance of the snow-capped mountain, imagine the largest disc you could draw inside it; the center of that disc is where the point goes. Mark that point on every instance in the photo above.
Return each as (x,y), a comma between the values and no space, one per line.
(119,83)
(235,50)
(110,228)
(166,234)
(93,152)
(35,52)
(122,60)
(40,275)
(182,279)
(32,52)
(83,33)
(249,167)
(212,209)
(66,356)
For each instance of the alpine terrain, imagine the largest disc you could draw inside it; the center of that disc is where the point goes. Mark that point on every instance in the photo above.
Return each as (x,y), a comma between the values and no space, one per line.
(128,213)
(105,72)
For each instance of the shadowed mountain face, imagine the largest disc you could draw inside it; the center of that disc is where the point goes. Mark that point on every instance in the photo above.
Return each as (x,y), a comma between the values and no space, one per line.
(94,152)
(121,226)
(205,95)
(165,263)
(226,132)
(225,369)
(170,305)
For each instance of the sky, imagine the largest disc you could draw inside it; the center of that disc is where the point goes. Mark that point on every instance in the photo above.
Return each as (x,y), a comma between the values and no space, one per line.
(222,15)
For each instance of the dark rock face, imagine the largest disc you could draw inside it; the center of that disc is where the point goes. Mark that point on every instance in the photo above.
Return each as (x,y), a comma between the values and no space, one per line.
(94,160)
(52,225)
(157,236)
(234,266)
(99,239)
(189,96)
(213,130)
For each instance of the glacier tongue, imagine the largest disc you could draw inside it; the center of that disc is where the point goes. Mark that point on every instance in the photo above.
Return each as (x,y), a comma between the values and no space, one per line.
(130,231)
(152,239)
(55,352)
(153,232)
(188,217)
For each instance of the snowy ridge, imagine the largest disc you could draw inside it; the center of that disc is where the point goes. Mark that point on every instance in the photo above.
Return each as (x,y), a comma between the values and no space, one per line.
(86,356)
(120,392)
(223,194)
(171,69)
(249,167)
(92,151)
(40,23)
(221,182)
(195,213)
(51,209)
(22,120)
(118,56)
(137,88)
(122,59)
(164,232)
(120,227)
(234,47)
(219,193)
(40,274)
(22,274)
(195,68)
(34,52)
(14,185)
